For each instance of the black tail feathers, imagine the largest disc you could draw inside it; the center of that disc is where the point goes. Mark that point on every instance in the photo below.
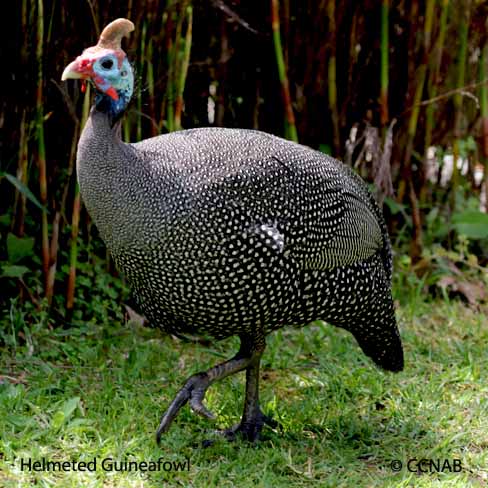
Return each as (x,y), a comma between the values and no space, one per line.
(382,344)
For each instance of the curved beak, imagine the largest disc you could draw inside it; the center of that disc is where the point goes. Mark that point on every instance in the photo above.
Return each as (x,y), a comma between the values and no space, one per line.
(73,71)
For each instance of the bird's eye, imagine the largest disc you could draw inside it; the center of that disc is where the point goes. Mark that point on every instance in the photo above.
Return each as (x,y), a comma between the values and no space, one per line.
(107,64)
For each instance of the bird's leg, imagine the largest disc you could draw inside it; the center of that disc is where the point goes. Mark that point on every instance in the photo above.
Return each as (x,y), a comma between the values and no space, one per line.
(195,387)
(253,418)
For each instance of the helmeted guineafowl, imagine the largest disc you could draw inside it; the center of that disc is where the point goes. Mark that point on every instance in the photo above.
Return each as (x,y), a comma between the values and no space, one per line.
(224,232)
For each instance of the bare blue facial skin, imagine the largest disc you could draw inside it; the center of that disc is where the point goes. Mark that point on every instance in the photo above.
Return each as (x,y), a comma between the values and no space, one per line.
(109,75)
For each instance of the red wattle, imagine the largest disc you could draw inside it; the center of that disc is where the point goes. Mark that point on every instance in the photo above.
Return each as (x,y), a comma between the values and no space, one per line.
(112,93)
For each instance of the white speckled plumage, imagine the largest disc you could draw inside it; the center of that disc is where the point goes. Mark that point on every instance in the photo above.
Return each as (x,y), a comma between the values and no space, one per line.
(224,232)
(220,231)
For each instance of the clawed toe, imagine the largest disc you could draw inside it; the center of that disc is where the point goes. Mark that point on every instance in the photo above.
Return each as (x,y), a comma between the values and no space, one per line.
(193,392)
(249,430)
(196,402)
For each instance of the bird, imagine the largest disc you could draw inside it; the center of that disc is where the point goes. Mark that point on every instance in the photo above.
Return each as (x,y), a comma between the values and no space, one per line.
(231,232)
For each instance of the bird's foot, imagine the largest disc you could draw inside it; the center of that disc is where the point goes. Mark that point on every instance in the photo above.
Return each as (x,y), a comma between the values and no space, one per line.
(194,389)
(193,392)
(249,429)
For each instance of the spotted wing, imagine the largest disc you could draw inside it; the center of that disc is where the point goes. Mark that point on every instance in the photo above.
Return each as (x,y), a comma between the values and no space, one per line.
(333,221)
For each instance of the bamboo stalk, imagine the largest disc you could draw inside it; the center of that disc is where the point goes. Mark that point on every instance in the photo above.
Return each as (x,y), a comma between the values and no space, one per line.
(151,60)
(150,88)
(353,57)
(180,9)
(50,24)
(332,77)
(290,127)
(170,55)
(419,86)
(70,289)
(167,47)
(25,30)
(95,17)
(484,118)
(53,257)
(416,244)
(384,116)
(286,29)
(41,148)
(184,52)
(126,128)
(429,19)
(458,98)
(73,254)
(173,62)
(434,81)
(129,9)
(222,75)
(71,167)
(22,176)
(75,223)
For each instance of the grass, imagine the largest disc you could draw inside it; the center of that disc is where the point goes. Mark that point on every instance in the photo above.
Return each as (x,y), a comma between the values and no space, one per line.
(97,391)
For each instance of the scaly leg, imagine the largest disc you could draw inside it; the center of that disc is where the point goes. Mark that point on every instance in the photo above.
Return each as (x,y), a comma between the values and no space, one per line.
(195,387)
(194,391)
(253,419)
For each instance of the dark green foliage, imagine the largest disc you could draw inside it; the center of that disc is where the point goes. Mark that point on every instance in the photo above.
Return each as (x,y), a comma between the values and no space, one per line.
(472,224)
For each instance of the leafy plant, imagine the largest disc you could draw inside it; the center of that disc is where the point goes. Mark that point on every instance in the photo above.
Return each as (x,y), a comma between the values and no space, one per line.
(472,224)
(23,189)
(18,248)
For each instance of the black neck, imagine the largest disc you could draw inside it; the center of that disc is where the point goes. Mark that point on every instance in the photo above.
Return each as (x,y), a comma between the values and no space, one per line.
(114,109)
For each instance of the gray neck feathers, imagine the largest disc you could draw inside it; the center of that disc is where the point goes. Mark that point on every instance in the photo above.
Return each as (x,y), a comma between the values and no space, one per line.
(97,139)
(104,164)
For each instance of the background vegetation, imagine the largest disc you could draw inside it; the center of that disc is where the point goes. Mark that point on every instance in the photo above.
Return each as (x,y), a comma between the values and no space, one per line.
(396,88)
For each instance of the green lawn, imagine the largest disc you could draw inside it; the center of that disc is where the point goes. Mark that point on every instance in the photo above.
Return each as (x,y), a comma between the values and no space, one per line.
(97,392)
